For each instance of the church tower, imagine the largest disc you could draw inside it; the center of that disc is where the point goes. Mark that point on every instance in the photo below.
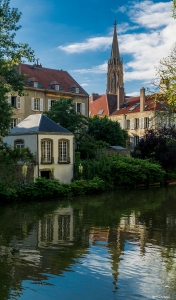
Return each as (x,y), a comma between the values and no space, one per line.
(115,83)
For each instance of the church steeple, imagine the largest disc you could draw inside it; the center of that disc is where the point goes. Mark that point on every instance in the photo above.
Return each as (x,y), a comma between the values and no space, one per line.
(115,83)
(115,46)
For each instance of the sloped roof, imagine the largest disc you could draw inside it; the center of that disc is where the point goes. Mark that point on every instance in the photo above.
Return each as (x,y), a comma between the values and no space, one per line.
(45,77)
(133,105)
(106,104)
(37,124)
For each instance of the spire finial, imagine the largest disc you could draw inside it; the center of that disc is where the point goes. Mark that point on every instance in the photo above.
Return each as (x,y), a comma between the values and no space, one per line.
(115,23)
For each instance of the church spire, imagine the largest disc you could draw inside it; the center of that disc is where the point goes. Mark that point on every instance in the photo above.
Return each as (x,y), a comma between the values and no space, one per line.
(115,83)
(115,47)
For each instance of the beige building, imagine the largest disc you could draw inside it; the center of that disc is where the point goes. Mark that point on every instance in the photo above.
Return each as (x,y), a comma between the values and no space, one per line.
(51,144)
(43,86)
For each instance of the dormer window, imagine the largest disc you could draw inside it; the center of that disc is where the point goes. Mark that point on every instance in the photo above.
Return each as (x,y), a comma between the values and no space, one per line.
(77,90)
(57,87)
(35,84)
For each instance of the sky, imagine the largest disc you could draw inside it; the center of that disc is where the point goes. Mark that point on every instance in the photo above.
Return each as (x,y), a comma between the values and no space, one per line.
(76,36)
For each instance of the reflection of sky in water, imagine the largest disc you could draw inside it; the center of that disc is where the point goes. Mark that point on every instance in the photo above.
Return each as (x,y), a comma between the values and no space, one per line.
(140,277)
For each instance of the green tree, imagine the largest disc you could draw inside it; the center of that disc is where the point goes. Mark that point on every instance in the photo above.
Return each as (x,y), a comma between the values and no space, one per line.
(106,130)
(165,89)
(11,54)
(174,8)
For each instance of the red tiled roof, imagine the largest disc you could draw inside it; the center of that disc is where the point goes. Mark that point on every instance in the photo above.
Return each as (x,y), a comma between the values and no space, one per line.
(150,104)
(103,105)
(106,105)
(46,76)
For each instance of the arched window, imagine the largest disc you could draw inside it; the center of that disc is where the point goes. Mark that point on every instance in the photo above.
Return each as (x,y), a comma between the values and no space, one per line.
(64,151)
(46,151)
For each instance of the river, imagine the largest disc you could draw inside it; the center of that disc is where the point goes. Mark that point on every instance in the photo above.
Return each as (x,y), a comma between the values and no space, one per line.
(119,245)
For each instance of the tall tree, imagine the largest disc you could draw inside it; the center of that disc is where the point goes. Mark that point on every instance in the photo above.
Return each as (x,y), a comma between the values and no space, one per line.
(11,54)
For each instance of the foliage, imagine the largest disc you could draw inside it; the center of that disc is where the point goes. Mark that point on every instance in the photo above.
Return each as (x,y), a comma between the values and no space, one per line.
(64,112)
(8,158)
(106,130)
(165,87)
(122,172)
(174,8)
(11,54)
(159,145)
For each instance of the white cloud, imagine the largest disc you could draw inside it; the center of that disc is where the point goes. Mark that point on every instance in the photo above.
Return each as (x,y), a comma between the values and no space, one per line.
(91,44)
(145,48)
(151,15)
(100,69)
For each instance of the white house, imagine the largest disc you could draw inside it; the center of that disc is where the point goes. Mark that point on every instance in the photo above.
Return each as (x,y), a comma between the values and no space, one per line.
(51,144)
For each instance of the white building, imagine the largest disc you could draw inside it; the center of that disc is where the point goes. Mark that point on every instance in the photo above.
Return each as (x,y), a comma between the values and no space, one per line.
(51,144)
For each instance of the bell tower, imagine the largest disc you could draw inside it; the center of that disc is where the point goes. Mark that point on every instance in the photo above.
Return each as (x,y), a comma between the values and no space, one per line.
(115,83)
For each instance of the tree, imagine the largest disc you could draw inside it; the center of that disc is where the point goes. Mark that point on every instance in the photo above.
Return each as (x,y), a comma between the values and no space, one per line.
(106,130)
(64,112)
(158,145)
(174,8)
(11,54)
(165,89)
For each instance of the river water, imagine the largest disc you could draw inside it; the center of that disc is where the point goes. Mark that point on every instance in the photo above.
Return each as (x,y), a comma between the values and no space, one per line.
(119,245)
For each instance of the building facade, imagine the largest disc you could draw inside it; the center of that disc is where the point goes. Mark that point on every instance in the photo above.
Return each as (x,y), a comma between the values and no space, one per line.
(43,86)
(51,145)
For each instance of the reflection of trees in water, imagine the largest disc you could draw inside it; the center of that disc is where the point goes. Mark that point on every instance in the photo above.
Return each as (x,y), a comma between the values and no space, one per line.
(107,216)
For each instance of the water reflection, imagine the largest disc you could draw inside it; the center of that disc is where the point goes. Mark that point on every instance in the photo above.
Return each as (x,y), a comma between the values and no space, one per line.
(112,246)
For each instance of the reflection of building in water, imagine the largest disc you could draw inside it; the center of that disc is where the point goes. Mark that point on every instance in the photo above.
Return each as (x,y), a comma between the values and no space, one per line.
(57,227)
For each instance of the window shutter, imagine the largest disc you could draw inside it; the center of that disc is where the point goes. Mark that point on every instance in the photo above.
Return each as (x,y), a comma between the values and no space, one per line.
(76,106)
(41,104)
(9,100)
(120,123)
(83,108)
(49,104)
(19,120)
(18,102)
(150,123)
(132,124)
(131,142)
(142,123)
(32,103)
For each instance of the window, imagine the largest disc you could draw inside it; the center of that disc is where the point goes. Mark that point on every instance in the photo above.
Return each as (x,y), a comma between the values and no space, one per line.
(77,90)
(128,124)
(15,101)
(78,108)
(64,151)
(146,123)
(19,144)
(13,123)
(46,149)
(35,84)
(50,103)
(136,123)
(57,87)
(37,104)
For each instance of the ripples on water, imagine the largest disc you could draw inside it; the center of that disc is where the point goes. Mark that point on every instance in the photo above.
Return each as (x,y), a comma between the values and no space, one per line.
(112,246)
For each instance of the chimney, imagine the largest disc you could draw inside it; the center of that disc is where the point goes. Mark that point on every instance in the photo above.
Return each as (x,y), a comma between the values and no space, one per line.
(120,97)
(142,99)
(94,96)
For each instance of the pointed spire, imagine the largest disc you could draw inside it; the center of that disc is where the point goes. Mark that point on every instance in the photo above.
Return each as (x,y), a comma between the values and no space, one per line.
(115,46)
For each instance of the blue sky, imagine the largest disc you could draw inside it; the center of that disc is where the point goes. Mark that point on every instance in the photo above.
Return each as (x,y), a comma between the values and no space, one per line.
(76,36)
